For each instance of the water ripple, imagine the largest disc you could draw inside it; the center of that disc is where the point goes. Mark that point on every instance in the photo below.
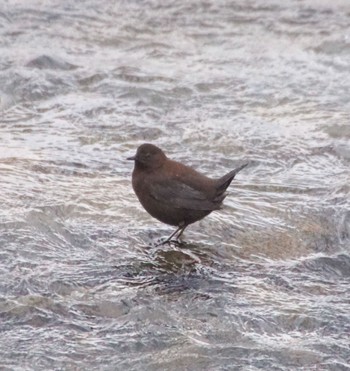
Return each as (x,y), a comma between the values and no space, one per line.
(262,283)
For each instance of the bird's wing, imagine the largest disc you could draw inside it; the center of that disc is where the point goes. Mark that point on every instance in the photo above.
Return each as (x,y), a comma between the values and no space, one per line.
(182,196)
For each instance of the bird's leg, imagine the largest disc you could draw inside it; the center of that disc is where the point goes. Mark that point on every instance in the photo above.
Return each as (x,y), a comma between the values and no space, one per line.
(181,231)
(178,232)
(171,236)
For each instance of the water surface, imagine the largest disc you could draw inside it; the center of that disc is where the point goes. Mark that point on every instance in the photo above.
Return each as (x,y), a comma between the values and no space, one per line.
(262,284)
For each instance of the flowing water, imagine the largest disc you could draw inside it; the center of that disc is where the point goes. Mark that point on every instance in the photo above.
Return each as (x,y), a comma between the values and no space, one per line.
(263,283)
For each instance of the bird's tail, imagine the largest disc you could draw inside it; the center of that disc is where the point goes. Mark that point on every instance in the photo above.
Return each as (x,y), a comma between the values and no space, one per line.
(226,180)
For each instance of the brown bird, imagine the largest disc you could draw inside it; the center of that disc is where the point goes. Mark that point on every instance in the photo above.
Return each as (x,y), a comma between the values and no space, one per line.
(174,193)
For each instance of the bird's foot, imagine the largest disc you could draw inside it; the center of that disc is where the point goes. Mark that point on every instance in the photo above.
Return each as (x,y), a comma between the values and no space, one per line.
(170,241)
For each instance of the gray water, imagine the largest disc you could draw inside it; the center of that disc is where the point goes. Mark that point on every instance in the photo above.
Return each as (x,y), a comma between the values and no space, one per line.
(263,283)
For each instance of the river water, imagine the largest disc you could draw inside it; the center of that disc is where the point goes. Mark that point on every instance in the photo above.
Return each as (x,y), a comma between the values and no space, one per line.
(263,283)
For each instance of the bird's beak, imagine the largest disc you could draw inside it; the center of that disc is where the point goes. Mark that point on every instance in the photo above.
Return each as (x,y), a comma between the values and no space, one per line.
(133,158)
